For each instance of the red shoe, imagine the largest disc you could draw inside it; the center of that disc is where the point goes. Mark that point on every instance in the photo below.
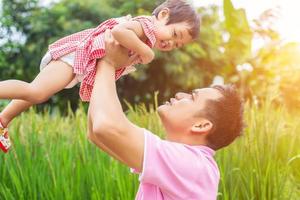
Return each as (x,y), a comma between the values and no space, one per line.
(4,139)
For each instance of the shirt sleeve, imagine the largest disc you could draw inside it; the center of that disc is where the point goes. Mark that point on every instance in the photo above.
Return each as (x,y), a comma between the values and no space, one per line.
(171,166)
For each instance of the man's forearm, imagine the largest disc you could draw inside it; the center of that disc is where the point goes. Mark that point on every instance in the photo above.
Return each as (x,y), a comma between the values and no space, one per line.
(109,127)
(105,105)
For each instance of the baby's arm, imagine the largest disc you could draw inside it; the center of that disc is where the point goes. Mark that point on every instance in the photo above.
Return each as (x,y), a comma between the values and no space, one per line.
(129,35)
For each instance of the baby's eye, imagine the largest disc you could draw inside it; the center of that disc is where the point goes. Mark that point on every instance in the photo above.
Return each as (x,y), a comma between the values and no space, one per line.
(175,34)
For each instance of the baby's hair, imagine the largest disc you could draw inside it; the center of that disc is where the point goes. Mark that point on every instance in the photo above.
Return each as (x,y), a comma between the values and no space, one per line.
(181,11)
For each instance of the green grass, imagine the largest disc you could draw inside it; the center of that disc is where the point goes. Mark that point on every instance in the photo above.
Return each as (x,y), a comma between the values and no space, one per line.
(52,159)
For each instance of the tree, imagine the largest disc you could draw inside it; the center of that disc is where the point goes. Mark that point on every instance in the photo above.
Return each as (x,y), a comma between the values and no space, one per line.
(223,48)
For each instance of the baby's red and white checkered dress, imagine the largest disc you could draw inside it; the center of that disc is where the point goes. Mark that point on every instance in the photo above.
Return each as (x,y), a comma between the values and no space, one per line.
(89,46)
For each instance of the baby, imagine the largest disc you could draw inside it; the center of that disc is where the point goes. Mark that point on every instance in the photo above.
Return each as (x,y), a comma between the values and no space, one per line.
(73,58)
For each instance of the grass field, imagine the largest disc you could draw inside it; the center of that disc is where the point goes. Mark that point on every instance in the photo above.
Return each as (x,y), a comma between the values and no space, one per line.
(52,159)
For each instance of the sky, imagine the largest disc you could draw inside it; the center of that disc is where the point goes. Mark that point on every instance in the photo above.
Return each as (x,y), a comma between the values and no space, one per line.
(288,24)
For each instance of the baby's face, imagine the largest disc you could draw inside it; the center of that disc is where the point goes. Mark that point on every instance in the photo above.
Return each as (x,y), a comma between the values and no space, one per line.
(169,37)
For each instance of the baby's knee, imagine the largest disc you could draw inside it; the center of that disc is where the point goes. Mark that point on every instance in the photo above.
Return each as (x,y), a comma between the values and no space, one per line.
(37,95)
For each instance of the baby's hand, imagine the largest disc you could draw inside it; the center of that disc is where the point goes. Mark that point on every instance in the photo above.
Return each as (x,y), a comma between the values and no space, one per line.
(147,58)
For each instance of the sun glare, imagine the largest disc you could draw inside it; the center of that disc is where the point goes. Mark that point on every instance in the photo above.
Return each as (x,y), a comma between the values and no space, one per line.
(288,24)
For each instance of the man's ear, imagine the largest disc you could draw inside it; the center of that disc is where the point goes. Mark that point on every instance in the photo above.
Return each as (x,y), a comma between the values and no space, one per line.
(202,126)
(164,15)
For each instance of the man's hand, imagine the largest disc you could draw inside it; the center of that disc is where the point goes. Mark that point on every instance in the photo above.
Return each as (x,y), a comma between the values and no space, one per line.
(116,55)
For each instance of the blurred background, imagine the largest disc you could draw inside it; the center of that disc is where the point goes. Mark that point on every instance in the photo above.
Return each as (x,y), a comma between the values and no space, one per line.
(254,44)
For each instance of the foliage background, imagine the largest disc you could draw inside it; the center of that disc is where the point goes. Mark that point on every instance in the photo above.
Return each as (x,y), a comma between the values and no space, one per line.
(52,159)
(224,48)
(268,79)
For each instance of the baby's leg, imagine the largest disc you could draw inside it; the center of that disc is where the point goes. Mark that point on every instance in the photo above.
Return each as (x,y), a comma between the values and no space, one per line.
(13,109)
(53,78)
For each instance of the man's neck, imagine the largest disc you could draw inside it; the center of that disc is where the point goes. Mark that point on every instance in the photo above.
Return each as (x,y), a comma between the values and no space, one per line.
(187,139)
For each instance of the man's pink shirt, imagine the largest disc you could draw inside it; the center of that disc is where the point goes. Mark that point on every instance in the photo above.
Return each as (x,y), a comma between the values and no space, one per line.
(175,171)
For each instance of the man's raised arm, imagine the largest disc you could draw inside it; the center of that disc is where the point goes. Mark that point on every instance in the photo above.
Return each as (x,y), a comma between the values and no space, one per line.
(109,127)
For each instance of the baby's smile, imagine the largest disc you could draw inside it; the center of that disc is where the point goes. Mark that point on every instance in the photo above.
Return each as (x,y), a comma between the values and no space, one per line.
(163,44)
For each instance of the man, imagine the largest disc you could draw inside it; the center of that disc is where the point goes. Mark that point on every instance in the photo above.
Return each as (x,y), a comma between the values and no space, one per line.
(181,167)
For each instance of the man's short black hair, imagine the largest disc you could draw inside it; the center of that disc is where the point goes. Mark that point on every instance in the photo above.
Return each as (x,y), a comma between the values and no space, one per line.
(226,114)
(181,11)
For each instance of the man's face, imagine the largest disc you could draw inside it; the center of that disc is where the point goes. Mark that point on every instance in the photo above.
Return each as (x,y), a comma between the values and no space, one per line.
(179,114)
